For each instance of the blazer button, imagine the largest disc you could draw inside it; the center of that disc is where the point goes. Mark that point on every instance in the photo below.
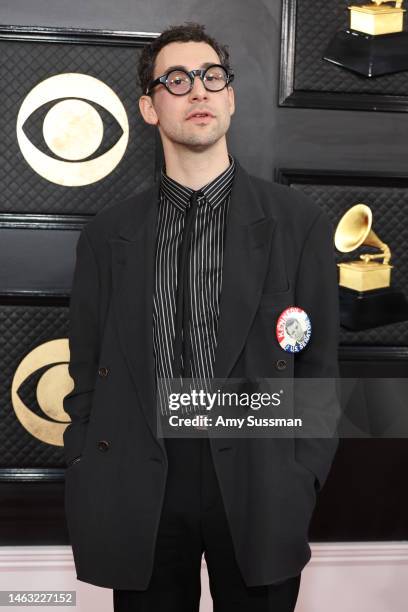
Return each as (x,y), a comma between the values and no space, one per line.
(103,445)
(103,371)
(280,364)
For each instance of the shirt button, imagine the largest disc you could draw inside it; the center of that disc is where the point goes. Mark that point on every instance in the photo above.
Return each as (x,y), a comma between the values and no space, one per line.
(103,445)
(280,364)
(103,371)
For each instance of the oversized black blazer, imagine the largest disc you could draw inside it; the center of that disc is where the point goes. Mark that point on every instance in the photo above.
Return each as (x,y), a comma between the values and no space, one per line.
(278,252)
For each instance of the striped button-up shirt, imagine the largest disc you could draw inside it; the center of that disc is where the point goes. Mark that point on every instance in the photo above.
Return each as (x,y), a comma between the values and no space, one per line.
(204,269)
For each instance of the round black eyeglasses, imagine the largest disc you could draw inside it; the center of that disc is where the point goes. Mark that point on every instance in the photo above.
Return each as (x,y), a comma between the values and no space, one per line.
(179,82)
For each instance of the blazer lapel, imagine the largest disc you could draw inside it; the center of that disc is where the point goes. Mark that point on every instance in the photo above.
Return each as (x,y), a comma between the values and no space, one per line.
(133,259)
(247,243)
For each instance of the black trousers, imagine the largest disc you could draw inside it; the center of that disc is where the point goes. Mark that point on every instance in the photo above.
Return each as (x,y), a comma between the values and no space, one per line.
(193,521)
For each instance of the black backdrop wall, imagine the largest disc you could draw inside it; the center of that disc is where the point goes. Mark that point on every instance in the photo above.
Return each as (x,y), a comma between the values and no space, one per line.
(365,495)
(263,135)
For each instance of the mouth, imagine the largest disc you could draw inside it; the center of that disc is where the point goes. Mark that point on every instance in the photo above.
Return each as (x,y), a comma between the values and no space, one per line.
(200,117)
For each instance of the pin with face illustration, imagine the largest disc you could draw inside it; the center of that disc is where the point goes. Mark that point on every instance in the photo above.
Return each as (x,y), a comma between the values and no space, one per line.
(293,329)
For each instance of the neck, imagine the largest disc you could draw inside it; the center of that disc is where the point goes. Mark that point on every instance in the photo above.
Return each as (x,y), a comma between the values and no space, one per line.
(195,168)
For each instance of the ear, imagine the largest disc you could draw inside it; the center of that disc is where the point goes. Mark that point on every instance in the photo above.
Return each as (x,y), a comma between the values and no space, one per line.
(147,110)
(231,100)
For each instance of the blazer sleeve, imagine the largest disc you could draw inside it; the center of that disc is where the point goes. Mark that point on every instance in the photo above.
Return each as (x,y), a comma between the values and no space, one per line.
(316,399)
(83,346)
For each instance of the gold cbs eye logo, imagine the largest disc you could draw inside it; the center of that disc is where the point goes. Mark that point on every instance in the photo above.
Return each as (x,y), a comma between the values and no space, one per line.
(72,129)
(54,384)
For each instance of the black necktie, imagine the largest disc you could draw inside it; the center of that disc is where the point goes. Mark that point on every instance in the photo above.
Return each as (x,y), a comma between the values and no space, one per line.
(182,325)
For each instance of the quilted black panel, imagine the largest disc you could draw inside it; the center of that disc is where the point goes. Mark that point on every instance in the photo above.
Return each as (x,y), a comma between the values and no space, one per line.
(390,213)
(23,65)
(316,23)
(22,328)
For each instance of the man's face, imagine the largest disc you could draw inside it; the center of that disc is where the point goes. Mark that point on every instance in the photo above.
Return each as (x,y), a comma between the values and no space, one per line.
(294,330)
(171,113)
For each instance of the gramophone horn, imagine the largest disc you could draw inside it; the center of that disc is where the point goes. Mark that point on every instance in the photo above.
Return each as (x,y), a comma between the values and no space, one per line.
(354,229)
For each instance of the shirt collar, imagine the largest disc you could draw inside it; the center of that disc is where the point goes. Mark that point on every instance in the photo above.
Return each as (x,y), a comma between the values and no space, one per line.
(214,192)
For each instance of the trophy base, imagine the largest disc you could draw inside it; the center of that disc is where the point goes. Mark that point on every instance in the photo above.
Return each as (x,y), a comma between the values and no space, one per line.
(366,309)
(367,54)
(372,19)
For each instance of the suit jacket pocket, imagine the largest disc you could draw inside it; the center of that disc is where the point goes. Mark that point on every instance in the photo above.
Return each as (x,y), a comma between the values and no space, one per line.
(276,299)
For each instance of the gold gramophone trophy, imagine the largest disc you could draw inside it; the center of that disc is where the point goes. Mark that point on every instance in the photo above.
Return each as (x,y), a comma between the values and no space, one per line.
(366,297)
(375,42)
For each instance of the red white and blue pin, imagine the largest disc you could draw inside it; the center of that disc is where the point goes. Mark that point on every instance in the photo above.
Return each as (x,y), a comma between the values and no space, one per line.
(293,329)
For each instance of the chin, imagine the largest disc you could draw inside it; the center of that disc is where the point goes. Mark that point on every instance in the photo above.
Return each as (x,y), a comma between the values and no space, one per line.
(204,140)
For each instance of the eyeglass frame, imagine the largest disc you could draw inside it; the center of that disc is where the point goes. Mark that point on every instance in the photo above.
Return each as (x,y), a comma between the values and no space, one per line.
(192,74)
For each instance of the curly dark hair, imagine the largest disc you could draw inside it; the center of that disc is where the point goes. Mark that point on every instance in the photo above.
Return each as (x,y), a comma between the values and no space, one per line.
(189,31)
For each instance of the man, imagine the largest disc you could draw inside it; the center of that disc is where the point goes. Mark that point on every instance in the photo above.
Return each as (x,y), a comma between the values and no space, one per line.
(188,280)
(294,330)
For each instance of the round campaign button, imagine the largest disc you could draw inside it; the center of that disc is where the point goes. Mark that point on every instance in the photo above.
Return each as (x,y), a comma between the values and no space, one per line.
(293,329)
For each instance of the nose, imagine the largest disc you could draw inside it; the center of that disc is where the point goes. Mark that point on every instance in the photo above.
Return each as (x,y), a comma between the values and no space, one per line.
(198,91)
